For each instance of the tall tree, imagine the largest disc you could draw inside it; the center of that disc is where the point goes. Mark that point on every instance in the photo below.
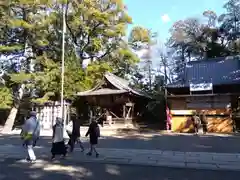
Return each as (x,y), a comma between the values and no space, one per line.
(213,37)
(143,39)
(183,34)
(23,31)
(33,30)
(140,38)
(123,60)
(230,23)
(192,39)
(96,27)
(166,66)
(211,18)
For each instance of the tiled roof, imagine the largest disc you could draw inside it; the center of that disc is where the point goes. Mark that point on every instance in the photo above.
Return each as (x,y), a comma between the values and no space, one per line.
(121,85)
(219,71)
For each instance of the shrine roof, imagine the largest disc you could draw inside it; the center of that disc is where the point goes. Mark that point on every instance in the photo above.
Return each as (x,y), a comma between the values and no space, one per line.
(218,71)
(120,86)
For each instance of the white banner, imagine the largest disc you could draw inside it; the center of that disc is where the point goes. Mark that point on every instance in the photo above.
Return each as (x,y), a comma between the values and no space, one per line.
(181,112)
(201,87)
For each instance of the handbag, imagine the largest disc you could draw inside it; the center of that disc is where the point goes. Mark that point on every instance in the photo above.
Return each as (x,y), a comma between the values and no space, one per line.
(69,128)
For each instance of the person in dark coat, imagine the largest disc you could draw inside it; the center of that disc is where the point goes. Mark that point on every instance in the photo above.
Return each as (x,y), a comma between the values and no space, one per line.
(204,122)
(94,133)
(74,134)
(196,122)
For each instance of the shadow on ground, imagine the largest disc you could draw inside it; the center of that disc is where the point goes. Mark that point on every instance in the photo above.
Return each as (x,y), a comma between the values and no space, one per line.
(15,169)
(165,142)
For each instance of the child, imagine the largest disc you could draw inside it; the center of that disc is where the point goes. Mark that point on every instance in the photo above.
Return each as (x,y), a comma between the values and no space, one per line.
(94,133)
(58,145)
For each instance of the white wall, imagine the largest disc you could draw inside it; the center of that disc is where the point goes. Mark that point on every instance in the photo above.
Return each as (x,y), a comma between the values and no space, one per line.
(47,114)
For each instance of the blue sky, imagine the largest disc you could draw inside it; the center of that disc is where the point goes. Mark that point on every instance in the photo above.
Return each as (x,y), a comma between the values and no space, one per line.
(159,15)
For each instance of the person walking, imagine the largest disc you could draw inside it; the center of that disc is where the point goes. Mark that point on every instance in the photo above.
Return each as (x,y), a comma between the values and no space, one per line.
(73,131)
(30,134)
(196,122)
(58,145)
(169,120)
(94,133)
(204,122)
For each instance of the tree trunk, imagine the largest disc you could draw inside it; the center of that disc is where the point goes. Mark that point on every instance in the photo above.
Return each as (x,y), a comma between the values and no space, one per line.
(165,74)
(10,120)
(150,74)
(13,113)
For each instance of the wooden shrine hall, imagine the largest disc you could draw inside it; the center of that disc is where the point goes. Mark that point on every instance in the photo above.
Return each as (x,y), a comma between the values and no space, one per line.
(119,103)
(208,87)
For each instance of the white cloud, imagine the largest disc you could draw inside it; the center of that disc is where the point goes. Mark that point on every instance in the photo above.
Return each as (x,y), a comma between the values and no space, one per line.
(165,18)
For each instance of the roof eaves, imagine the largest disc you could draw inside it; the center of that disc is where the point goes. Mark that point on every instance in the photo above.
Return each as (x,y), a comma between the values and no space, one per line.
(99,92)
(122,84)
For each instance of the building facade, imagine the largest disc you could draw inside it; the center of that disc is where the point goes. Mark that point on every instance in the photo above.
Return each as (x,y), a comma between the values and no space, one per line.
(211,88)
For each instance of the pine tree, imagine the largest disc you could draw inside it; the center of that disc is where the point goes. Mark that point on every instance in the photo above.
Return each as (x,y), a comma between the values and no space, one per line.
(23,32)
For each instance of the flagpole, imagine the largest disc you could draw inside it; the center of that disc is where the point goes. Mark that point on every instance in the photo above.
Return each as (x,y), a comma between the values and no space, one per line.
(63,62)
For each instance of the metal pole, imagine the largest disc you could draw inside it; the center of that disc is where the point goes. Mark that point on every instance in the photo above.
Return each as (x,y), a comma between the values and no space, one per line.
(62,72)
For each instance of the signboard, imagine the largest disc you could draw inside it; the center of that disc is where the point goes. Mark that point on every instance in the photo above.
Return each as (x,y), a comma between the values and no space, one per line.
(181,112)
(201,87)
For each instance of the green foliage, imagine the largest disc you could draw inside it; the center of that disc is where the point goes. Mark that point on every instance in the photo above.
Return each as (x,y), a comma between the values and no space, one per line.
(6,98)
(48,79)
(96,26)
(10,48)
(24,22)
(95,31)
(123,60)
(43,99)
(20,77)
(95,72)
(139,36)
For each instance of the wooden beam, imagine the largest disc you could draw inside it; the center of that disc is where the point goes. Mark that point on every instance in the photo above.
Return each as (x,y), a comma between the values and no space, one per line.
(129,112)
(133,111)
(113,114)
(201,95)
(124,111)
(100,116)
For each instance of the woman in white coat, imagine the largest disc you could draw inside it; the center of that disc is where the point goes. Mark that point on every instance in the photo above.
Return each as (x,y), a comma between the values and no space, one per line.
(58,145)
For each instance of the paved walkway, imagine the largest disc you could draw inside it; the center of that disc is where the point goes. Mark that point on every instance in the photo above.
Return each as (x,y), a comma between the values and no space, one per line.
(197,160)
(104,132)
(108,131)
